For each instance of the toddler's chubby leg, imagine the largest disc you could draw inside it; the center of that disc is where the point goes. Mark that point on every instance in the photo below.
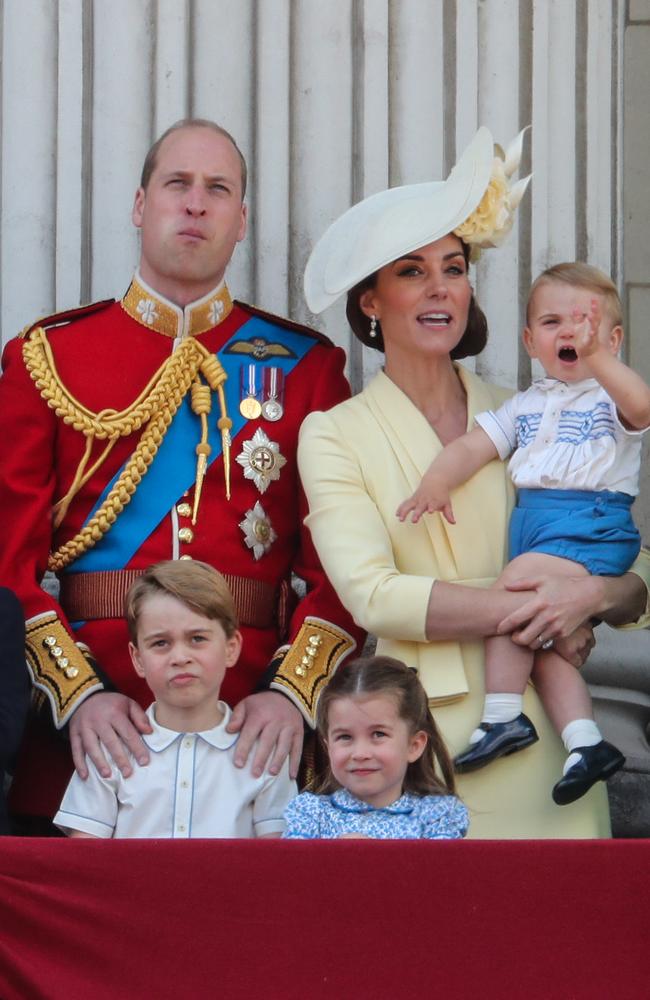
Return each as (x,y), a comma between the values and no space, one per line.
(504,729)
(565,696)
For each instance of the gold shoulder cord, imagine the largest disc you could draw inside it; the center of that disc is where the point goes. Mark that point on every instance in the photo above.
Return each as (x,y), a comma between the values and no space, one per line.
(155,406)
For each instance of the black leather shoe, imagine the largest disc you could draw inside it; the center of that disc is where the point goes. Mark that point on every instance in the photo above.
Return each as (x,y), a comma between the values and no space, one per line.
(501,739)
(597,763)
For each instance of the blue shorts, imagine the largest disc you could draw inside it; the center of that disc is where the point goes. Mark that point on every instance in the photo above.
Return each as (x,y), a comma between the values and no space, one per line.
(594,529)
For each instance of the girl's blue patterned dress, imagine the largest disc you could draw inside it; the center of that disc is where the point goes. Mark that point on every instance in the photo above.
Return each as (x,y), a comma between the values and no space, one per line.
(411,817)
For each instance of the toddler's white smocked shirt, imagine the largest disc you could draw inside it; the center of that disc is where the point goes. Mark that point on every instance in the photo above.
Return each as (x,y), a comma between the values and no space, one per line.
(565,436)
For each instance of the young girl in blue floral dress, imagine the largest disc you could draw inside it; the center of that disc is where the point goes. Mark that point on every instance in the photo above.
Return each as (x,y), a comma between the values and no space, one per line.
(389,773)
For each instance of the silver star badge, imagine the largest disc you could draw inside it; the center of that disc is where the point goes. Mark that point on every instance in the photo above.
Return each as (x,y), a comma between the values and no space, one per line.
(258,533)
(261,460)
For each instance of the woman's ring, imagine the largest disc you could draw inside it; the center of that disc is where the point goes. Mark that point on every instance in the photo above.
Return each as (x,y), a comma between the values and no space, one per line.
(546,645)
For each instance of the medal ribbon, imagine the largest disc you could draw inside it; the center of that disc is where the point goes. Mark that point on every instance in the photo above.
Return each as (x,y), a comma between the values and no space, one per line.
(173,470)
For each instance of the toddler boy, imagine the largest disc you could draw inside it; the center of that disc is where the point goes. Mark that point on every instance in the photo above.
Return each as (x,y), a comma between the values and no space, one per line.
(184,636)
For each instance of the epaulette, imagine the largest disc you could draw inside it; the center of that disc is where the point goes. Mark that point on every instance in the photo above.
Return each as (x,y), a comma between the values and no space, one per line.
(289,324)
(68,316)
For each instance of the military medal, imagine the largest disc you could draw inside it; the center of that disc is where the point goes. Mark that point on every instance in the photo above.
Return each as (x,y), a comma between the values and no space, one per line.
(261,460)
(273,393)
(258,532)
(250,406)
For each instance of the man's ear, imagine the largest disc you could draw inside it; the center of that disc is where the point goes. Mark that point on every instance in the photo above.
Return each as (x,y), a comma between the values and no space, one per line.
(135,660)
(138,207)
(243,224)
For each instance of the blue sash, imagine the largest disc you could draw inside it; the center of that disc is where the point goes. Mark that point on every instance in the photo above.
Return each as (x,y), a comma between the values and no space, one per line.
(173,470)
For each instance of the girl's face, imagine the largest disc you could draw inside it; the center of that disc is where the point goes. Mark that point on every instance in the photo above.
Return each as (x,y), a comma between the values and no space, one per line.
(422,300)
(370,747)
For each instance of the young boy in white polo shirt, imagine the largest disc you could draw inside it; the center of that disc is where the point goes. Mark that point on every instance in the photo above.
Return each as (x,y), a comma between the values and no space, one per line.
(184,636)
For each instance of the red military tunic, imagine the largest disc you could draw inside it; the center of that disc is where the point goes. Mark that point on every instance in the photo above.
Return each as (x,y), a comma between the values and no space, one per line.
(102,362)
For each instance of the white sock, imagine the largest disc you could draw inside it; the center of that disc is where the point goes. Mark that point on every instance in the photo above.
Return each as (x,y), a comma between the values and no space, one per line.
(500,707)
(579,733)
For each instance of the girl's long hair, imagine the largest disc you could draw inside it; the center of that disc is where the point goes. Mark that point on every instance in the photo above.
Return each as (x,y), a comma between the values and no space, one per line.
(432,773)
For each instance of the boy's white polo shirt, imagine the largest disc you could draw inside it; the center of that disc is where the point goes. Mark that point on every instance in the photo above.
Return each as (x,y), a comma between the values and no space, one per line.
(190,788)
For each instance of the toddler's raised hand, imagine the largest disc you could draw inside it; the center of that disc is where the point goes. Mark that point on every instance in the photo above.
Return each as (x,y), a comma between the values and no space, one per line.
(586,330)
(431,495)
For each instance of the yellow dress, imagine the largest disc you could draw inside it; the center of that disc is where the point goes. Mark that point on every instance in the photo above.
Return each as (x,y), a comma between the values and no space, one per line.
(358,462)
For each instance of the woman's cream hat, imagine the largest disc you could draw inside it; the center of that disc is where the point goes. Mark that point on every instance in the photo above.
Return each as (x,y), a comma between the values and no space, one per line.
(476,203)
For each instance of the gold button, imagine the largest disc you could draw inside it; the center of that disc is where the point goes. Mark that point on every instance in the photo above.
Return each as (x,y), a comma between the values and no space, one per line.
(184,509)
(186,535)
(300,671)
(56,651)
(62,662)
(71,673)
(49,640)
(186,557)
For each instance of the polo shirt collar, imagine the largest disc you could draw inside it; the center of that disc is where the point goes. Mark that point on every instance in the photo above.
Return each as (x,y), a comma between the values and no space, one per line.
(342,799)
(153,310)
(161,738)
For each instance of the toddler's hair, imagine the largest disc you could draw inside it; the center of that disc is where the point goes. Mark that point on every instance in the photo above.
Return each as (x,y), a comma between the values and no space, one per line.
(580,275)
(384,675)
(193,583)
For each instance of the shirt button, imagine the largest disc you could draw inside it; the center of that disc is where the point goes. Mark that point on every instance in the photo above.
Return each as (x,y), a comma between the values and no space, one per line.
(187,744)
(185,784)
(181,828)
(186,535)
(184,509)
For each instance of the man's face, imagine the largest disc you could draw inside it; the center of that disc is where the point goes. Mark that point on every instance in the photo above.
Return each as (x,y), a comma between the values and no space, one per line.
(191,214)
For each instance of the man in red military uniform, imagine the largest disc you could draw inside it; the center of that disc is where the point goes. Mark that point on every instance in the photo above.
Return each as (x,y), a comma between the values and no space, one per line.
(165,426)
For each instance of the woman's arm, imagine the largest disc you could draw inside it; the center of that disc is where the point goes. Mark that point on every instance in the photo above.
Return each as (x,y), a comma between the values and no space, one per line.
(455,611)
(559,605)
(358,554)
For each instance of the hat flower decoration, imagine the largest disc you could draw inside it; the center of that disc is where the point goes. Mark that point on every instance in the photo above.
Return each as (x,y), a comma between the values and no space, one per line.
(492,220)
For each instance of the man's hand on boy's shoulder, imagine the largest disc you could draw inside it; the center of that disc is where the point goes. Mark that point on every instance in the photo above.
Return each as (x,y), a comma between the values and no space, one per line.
(115,721)
(276,724)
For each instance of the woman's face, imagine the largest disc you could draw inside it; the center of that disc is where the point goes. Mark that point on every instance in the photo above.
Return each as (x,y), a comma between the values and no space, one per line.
(422,300)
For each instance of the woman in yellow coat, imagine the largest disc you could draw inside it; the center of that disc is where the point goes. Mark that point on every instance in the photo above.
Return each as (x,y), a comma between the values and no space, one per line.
(403,257)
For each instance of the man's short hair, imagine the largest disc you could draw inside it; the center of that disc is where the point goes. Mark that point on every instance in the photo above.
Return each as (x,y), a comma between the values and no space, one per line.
(193,583)
(151,158)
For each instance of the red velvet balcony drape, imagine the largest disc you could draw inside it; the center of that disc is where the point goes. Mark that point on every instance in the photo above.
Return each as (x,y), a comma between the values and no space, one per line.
(273,919)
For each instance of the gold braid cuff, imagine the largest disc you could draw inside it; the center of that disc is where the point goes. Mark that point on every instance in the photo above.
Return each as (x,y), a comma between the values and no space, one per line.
(310,662)
(58,666)
(155,406)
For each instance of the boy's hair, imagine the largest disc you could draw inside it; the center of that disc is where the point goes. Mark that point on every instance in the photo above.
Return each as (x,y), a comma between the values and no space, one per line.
(193,583)
(151,158)
(580,275)
(384,675)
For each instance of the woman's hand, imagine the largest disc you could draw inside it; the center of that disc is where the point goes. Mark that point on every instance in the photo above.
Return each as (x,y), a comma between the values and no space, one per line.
(559,606)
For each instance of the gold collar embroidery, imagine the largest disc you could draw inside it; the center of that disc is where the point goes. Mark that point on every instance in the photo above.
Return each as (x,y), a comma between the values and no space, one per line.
(157,313)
